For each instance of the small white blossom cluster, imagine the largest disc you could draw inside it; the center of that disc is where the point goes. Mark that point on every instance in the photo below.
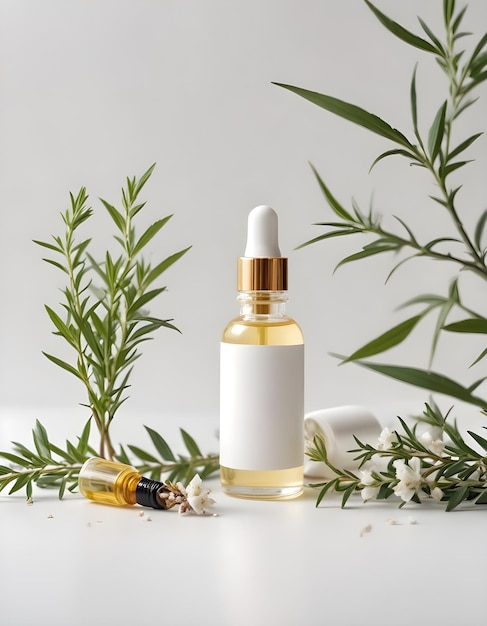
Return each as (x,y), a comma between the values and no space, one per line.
(195,498)
(410,480)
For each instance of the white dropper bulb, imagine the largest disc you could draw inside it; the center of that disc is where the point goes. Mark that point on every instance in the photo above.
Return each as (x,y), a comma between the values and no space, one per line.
(262,233)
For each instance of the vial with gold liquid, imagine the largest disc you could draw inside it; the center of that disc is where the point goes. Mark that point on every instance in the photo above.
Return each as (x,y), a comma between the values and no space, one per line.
(109,482)
(262,376)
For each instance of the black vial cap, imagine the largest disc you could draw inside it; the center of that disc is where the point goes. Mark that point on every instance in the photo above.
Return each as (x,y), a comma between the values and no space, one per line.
(147,493)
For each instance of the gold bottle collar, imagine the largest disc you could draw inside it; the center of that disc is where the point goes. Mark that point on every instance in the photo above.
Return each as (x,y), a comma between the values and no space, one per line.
(261,274)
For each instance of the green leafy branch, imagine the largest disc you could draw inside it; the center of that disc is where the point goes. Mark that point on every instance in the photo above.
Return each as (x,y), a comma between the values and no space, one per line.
(412,467)
(103,317)
(49,465)
(436,152)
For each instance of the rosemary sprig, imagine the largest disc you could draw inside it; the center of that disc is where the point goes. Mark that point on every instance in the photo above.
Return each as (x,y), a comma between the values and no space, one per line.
(435,152)
(458,472)
(103,316)
(438,464)
(49,465)
(104,321)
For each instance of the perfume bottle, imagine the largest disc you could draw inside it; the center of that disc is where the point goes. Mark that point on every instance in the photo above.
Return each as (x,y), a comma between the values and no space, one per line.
(109,482)
(262,376)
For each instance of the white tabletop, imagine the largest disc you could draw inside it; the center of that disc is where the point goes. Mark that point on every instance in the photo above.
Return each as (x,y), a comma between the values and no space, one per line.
(74,562)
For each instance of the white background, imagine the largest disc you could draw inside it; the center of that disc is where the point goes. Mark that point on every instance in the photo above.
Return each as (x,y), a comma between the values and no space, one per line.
(92,92)
(95,90)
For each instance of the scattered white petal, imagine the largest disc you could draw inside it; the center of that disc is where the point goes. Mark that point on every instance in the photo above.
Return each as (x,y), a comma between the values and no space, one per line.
(29,501)
(411,520)
(148,519)
(140,514)
(392,522)
(365,530)
(50,516)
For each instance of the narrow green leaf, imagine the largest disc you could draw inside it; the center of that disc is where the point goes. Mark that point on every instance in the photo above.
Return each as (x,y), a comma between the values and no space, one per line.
(436,42)
(327,487)
(463,146)
(348,492)
(13,458)
(482,499)
(41,441)
(400,264)
(59,324)
(453,469)
(472,325)
(142,454)
(478,65)
(474,83)
(448,169)
(424,299)
(83,440)
(62,453)
(332,201)
(190,443)
(480,440)
(49,246)
(479,230)
(149,234)
(457,21)
(56,264)
(134,210)
(62,486)
(425,380)
(387,340)
(164,265)
(448,10)
(442,316)
(143,300)
(123,457)
(397,151)
(66,366)
(116,216)
(458,494)
(160,444)
(330,235)
(407,229)
(479,358)
(22,481)
(400,32)
(91,339)
(366,252)
(413,100)
(436,132)
(351,113)
(142,181)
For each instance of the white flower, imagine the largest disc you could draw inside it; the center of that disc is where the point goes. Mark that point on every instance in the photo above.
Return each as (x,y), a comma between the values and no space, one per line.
(409,476)
(386,439)
(428,440)
(369,491)
(198,499)
(437,494)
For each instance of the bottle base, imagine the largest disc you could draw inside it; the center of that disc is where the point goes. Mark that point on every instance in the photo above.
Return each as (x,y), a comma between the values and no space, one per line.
(262,485)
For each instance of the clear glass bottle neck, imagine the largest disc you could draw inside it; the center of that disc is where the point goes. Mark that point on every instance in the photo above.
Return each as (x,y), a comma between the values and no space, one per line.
(262,304)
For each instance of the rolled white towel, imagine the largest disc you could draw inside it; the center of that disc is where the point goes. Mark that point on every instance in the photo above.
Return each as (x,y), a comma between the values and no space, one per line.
(338,425)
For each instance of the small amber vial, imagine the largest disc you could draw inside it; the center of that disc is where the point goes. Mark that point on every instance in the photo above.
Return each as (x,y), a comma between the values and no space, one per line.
(109,482)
